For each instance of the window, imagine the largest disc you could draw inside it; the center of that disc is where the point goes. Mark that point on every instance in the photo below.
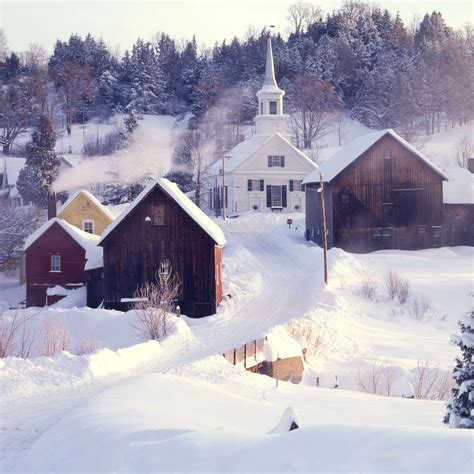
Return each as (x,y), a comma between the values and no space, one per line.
(255,185)
(88,226)
(55,263)
(276,161)
(158,212)
(273,107)
(295,184)
(387,232)
(422,229)
(387,154)
(261,108)
(345,199)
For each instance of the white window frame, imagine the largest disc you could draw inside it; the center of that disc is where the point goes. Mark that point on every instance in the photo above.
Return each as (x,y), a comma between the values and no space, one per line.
(255,185)
(270,103)
(88,221)
(55,268)
(276,161)
(297,185)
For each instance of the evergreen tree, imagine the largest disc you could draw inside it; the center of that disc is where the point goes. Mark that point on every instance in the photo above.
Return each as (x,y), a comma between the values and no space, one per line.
(460,413)
(130,122)
(42,165)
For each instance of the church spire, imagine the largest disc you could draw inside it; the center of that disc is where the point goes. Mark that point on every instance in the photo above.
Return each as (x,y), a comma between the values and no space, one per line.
(270,80)
(270,118)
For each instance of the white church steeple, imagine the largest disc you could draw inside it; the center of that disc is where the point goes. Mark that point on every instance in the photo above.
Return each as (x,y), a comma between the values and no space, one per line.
(270,118)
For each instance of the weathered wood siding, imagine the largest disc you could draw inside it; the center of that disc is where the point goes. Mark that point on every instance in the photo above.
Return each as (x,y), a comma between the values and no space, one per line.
(314,219)
(458,224)
(55,241)
(134,250)
(95,287)
(380,202)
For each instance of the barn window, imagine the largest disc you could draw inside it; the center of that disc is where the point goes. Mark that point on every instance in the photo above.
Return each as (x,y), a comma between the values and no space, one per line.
(158,211)
(276,161)
(422,229)
(55,263)
(88,226)
(273,107)
(387,232)
(345,199)
(387,154)
(377,232)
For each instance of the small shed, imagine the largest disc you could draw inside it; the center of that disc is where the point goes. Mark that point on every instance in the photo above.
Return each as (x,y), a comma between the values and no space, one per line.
(162,223)
(56,254)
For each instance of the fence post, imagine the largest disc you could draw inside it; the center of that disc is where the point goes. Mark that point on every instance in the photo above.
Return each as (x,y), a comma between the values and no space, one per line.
(245,355)
(235,357)
(255,350)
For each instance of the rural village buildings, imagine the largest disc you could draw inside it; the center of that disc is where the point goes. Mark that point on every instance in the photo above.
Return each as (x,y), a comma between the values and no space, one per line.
(265,172)
(382,193)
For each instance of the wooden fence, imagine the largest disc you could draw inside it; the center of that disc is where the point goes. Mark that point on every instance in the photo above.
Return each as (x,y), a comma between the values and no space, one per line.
(246,354)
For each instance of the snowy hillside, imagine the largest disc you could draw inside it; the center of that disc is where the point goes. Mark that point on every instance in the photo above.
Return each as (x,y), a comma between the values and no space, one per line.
(134,406)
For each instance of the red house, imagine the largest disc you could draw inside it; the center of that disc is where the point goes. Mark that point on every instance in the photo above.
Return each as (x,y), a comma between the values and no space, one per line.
(55,257)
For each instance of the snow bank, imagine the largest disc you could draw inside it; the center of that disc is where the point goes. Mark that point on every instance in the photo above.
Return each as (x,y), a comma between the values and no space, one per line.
(280,345)
(21,377)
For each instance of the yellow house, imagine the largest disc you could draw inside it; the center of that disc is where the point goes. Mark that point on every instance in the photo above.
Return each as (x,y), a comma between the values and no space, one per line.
(83,210)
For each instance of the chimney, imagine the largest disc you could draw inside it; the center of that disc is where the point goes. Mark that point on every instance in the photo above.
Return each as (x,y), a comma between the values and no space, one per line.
(470,164)
(51,205)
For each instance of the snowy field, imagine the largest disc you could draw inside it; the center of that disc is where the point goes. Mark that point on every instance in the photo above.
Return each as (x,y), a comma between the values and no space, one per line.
(137,406)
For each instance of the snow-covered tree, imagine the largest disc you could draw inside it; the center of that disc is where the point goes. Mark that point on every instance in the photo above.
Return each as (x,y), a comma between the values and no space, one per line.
(460,409)
(42,164)
(131,122)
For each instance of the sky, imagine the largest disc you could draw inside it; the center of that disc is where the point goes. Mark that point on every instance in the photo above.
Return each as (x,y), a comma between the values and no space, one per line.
(121,22)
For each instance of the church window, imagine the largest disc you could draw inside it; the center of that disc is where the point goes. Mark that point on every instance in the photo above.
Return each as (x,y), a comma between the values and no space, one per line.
(273,107)
(261,108)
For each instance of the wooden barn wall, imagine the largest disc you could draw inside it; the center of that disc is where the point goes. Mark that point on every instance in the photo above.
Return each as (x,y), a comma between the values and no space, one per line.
(458,224)
(371,183)
(55,241)
(314,219)
(95,287)
(133,252)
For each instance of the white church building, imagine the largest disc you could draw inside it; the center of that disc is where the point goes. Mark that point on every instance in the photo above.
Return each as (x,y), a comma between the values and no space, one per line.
(265,172)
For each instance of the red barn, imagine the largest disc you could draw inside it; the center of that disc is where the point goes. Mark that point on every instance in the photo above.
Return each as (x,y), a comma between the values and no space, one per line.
(55,257)
(163,224)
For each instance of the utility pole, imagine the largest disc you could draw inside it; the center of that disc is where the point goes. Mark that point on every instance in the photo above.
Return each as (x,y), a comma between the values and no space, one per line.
(224,216)
(325,237)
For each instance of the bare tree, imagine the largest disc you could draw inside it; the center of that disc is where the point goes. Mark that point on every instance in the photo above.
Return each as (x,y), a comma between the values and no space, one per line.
(87,345)
(302,15)
(431,382)
(15,225)
(74,83)
(195,151)
(463,150)
(35,57)
(313,105)
(368,287)
(17,335)
(155,301)
(3,45)
(370,380)
(396,286)
(54,337)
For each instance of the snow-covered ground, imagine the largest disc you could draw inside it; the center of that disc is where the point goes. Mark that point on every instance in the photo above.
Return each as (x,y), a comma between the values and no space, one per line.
(134,406)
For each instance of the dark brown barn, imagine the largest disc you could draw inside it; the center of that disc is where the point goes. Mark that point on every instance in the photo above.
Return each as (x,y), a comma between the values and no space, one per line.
(380,193)
(55,257)
(163,224)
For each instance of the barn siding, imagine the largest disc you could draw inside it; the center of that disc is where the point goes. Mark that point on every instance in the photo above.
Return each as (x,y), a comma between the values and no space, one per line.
(134,250)
(458,224)
(55,241)
(371,186)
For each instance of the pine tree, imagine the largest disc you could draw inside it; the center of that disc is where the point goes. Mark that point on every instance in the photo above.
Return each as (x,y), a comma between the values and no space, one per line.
(42,164)
(460,413)
(131,122)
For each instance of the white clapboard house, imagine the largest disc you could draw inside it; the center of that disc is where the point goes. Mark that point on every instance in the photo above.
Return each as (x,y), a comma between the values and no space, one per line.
(263,173)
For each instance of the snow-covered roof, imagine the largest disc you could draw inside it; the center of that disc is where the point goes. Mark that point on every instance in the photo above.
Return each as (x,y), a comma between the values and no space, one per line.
(247,148)
(91,198)
(87,241)
(347,155)
(460,187)
(172,190)
(117,209)
(13,166)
